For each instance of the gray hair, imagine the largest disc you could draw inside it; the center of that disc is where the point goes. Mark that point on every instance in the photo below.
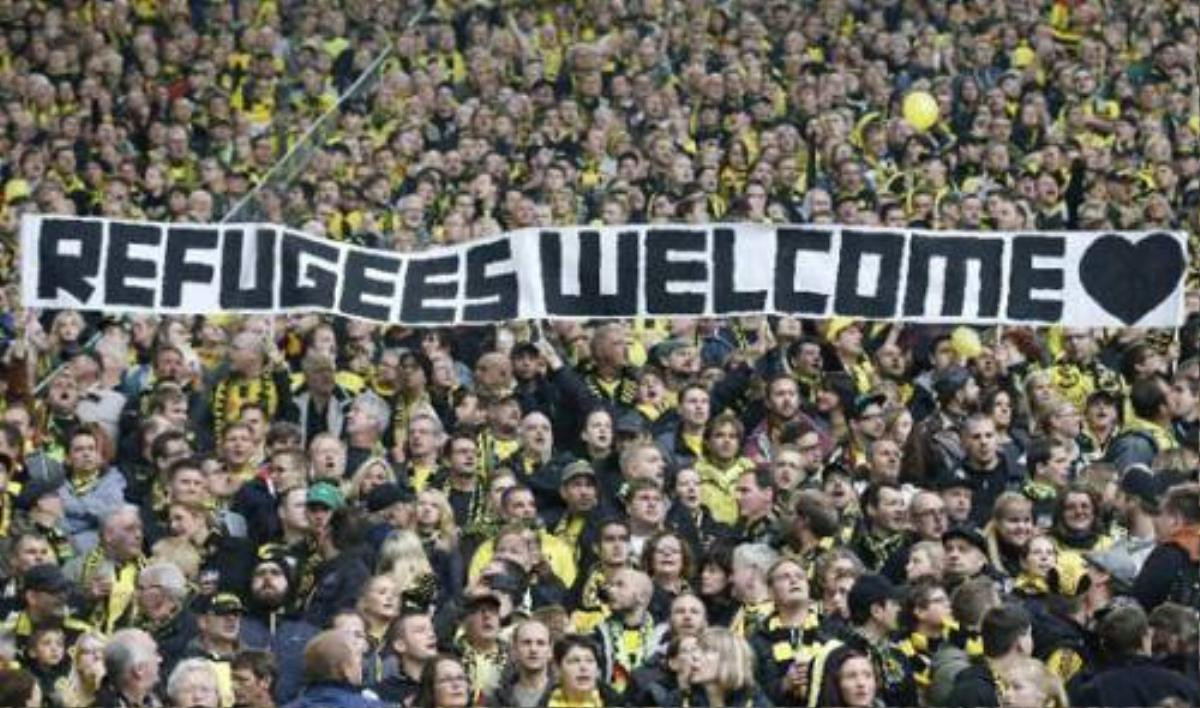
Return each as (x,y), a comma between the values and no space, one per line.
(375,407)
(126,649)
(758,556)
(170,577)
(187,668)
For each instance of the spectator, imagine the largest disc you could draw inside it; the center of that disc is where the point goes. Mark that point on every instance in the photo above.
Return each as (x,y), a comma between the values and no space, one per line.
(1130,676)
(333,673)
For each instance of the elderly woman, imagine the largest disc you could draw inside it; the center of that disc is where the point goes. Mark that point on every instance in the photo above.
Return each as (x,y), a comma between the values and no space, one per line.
(194,684)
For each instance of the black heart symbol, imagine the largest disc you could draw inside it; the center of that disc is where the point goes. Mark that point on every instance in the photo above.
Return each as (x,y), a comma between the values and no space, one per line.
(1130,279)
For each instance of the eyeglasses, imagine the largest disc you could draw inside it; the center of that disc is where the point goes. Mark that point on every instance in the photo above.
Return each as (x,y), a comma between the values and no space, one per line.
(930,513)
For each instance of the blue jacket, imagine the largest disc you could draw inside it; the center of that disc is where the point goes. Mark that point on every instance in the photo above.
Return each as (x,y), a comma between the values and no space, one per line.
(286,642)
(334,695)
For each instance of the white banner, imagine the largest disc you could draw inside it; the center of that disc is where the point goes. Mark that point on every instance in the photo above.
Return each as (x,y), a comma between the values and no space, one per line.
(713,270)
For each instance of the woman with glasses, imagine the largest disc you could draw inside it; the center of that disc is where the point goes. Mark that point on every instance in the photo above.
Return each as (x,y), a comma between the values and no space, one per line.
(444,684)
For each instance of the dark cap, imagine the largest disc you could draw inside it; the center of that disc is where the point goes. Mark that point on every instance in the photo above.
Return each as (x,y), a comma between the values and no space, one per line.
(1139,482)
(34,490)
(225,603)
(578,468)
(385,495)
(956,479)
(869,590)
(969,535)
(866,400)
(477,602)
(948,382)
(46,578)
(525,349)
(631,423)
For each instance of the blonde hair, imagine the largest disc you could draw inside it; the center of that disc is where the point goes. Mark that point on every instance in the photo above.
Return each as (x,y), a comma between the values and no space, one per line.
(736,658)
(1033,670)
(353,488)
(446,536)
(403,557)
(179,552)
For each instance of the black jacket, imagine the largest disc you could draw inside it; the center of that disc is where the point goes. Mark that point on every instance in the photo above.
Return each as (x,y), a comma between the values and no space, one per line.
(1138,681)
(975,686)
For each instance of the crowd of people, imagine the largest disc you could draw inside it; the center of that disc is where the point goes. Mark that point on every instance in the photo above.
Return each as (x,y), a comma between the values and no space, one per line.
(296,510)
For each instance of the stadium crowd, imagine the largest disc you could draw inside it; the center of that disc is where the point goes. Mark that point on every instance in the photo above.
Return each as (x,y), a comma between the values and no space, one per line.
(261,511)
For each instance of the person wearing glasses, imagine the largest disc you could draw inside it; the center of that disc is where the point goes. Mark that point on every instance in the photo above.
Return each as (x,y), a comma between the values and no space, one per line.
(444,684)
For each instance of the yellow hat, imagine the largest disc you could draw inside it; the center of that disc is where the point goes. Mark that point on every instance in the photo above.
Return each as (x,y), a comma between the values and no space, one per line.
(966,343)
(837,325)
(1022,57)
(16,188)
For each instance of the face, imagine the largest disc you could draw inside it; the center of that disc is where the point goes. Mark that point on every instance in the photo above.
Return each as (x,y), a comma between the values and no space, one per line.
(520,505)
(789,584)
(980,442)
(724,443)
(856,680)
(599,433)
(531,646)
(578,671)
(84,454)
(668,557)
(958,503)
(962,558)
(382,599)
(694,408)
(419,638)
(1015,524)
(248,689)
(198,689)
(929,516)
(783,398)
(648,507)
(706,664)
(1041,557)
(614,545)
(269,585)
(32,551)
(753,501)
(891,510)
(1078,512)
(688,616)
(919,565)
(1021,691)
(580,493)
(687,488)
(451,687)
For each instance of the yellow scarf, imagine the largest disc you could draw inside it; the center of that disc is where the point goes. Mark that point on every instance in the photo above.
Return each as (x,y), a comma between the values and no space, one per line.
(558,699)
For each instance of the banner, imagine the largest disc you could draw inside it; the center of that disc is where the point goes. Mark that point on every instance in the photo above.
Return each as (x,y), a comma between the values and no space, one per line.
(1076,278)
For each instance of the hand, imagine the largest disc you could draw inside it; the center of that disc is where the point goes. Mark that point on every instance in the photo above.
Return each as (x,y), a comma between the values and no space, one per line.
(549,353)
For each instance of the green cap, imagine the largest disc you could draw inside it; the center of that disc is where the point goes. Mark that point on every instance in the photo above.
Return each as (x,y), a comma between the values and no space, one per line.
(325,494)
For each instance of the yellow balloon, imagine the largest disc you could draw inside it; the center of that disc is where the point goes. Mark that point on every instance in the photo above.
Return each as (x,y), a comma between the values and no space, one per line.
(920,110)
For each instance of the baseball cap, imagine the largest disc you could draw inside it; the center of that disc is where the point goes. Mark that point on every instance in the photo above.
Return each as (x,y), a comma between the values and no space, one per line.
(385,495)
(1138,481)
(325,494)
(1118,564)
(578,468)
(948,382)
(866,400)
(225,603)
(969,535)
(477,602)
(46,578)
(869,590)
(630,423)
(34,490)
